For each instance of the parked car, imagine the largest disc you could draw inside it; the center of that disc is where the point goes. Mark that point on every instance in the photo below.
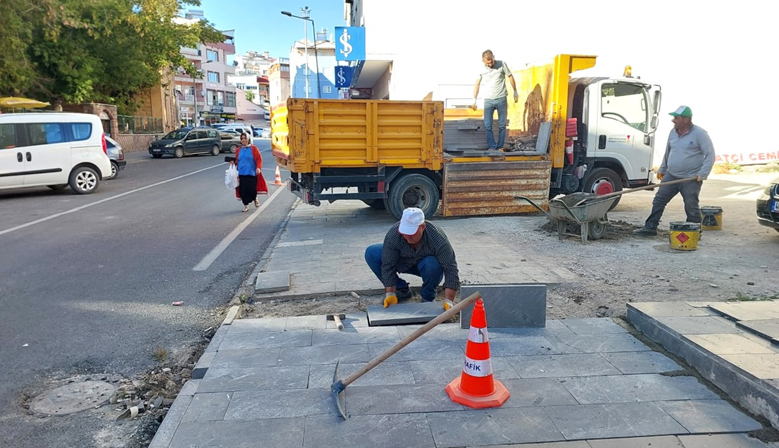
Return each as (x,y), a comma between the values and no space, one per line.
(116,155)
(54,149)
(231,140)
(202,140)
(239,128)
(265,133)
(768,206)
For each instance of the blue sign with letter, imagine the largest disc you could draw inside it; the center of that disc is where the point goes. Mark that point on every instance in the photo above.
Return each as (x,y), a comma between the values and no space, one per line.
(349,43)
(343,76)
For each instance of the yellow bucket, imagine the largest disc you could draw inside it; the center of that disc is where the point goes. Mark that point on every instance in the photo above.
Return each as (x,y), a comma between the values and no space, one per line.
(711,218)
(684,235)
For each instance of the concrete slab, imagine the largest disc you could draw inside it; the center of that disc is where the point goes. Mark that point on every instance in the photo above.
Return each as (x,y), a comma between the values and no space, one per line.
(353,320)
(492,426)
(325,354)
(258,405)
(671,309)
(763,366)
(386,373)
(642,442)
(278,433)
(557,366)
(350,336)
(508,306)
(631,363)
(424,349)
(365,431)
(207,407)
(268,282)
(239,340)
(605,343)
(227,380)
(170,424)
(575,444)
(306,323)
(748,310)
(698,325)
(768,328)
(729,344)
(636,388)
(398,399)
(536,392)
(247,358)
(606,421)
(273,324)
(702,416)
(404,313)
(202,365)
(442,372)
(722,441)
(593,326)
(528,345)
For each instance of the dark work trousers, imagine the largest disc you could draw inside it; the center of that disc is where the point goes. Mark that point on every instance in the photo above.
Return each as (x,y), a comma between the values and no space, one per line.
(247,188)
(428,268)
(689,191)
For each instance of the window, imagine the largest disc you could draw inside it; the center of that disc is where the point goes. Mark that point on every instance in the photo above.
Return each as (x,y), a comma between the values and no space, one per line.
(44,133)
(220,100)
(81,131)
(326,89)
(213,77)
(213,134)
(230,99)
(202,134)
(211,97)
(7,136)
(212,55)
(625,103)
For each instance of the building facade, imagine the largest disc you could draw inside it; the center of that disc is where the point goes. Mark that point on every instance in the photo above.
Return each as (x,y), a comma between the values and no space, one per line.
(279,82)
(313,68)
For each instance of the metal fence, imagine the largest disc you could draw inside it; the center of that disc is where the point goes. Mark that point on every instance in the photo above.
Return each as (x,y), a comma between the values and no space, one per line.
(139,125)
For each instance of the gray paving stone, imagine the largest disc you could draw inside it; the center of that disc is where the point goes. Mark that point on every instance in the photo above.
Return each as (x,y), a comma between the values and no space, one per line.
(324,354)
(557,366)
(605,343)
(575,444)
(260,339)
(282,403)
(729,344)
(404,313)
(698,325)
(768,328)
(268,282)
(353,320)
(607,421)
(508,306)
(350,336)
(553,327)
(306,322)
(445,331)
(275,324)
(492,426)
(702,416)
(536,392)
(593,326)
(636,388)
(671,309)
(442,372)
(367,431)
(398,399)
(167,430)
(189,388)
(528,345)
(384,374)
(763,366)
(246,359)
(216,340)
(226,380)
(423,349)
(641,362)
(748,310)
(278,433)
(207,407)
(722,441)
(202,365)
(642,442)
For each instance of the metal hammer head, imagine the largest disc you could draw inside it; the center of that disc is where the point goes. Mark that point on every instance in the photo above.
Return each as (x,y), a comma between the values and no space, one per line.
(332,316)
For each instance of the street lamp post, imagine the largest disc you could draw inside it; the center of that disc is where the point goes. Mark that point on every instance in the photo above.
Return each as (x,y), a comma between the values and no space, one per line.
(305,11)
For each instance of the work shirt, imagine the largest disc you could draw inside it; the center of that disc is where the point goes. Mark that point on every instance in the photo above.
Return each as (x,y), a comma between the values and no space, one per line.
(398,256)
(246,164)
(493,80)
(689,155)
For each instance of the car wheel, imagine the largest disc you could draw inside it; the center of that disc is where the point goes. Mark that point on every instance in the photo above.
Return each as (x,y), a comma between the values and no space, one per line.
(157,156)
(114,170)
(603,181)
(233,148)
(84,180)
(215,150)
(179,152)
(57,187)
(413,190)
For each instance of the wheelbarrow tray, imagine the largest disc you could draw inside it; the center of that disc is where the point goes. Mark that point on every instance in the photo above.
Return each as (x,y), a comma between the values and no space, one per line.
(592,210)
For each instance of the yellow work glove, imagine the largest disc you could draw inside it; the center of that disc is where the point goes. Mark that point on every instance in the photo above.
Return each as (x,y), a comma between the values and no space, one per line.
(660,176)
(390,299)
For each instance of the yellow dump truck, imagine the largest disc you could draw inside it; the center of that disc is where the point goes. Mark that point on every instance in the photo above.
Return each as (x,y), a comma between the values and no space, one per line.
(564,135)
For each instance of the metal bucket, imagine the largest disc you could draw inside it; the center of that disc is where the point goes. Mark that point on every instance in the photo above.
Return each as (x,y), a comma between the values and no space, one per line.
(711,218)
(684,235)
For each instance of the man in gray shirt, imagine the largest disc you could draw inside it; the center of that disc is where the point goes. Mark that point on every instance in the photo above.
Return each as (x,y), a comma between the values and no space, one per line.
(689,153)
(493,77)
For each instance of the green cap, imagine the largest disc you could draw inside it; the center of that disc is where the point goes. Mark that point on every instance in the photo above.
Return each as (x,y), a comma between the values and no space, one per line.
(682,111)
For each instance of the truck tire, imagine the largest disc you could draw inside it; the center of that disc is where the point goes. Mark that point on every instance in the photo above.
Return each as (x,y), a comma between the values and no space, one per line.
(603,181)
(413,190)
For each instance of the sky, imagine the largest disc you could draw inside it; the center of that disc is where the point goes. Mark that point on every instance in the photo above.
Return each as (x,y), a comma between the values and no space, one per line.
(259,25)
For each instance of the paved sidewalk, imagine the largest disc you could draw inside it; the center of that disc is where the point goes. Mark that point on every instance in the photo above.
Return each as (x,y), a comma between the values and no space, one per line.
(587,382)
(323,249)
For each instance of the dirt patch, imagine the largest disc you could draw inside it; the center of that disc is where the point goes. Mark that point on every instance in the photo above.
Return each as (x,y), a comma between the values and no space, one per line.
(615,230)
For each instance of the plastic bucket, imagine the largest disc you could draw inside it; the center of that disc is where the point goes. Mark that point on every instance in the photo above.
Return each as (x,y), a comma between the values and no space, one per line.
(684,235)
(711,218)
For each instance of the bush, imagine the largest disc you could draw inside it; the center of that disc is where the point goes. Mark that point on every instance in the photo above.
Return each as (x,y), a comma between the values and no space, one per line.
(726,168)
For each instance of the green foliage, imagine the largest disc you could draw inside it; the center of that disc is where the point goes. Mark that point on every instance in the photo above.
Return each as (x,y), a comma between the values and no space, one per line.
(250,95)
(747,298)
(93,50)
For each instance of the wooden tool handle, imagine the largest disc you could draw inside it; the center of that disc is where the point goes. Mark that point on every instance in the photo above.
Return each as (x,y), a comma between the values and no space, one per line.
(338,322)
(410,338)
(645,187)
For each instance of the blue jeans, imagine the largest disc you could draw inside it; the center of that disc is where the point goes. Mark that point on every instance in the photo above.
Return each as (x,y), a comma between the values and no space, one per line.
(428,268)
(689,192)
(490,106)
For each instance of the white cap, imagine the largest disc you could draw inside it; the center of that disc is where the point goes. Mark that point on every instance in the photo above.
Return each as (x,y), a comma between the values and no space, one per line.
(411,220)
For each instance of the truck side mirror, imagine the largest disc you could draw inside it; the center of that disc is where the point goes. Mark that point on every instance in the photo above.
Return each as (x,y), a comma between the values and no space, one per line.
(653,123)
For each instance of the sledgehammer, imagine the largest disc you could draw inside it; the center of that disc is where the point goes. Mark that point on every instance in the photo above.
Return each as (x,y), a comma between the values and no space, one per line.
(337,318)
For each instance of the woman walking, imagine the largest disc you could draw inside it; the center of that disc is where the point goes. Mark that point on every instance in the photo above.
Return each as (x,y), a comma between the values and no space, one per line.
(250,180)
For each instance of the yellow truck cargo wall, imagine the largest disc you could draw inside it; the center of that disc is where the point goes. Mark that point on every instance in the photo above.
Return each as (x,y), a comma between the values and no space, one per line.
(311,134)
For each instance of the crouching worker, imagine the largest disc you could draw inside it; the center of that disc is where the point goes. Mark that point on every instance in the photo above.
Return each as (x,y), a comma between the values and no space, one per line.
(414,247)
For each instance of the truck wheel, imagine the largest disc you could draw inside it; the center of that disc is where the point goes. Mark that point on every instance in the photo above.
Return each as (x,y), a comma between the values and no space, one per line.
(376,204)
(413,190)
(603,181)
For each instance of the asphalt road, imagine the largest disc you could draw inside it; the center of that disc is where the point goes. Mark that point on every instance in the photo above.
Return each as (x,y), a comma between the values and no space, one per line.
(87,282)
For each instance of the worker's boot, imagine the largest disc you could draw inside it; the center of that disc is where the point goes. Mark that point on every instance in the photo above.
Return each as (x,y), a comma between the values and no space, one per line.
(645,231)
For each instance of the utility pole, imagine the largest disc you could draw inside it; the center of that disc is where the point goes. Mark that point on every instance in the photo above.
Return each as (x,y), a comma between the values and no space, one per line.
(304,10)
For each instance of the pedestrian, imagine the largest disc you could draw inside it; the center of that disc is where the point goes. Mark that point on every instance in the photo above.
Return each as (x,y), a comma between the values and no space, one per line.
(414,247)
(688,153)
(250,180)
(493,77)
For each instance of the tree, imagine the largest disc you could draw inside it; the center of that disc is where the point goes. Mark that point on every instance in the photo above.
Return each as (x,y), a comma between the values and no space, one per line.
(250,95)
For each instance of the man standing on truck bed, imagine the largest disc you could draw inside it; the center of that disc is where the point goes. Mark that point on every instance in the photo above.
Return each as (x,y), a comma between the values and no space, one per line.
(494,79)
(415,247)
(689,153)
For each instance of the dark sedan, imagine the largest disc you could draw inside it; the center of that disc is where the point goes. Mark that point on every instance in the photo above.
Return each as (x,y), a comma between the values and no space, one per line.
(186,141)
(768,206)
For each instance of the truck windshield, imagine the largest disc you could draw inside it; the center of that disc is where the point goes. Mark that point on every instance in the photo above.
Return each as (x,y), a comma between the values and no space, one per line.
(625,103)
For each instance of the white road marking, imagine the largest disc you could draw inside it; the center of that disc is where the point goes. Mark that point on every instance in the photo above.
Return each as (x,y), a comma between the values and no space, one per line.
(214,254)
(300,243)
(57,215)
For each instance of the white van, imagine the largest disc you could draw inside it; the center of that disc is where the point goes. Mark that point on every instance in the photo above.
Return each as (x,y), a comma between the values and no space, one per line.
(53,149)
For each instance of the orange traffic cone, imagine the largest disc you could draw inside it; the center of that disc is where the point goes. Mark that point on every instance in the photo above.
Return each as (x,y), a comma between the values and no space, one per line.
(476,388)
(278,177)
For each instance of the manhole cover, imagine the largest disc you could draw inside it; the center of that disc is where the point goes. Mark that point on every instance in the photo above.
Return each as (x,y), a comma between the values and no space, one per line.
(75,397)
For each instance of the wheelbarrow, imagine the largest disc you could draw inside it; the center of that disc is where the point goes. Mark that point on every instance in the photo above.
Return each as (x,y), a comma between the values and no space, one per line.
(590,214)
